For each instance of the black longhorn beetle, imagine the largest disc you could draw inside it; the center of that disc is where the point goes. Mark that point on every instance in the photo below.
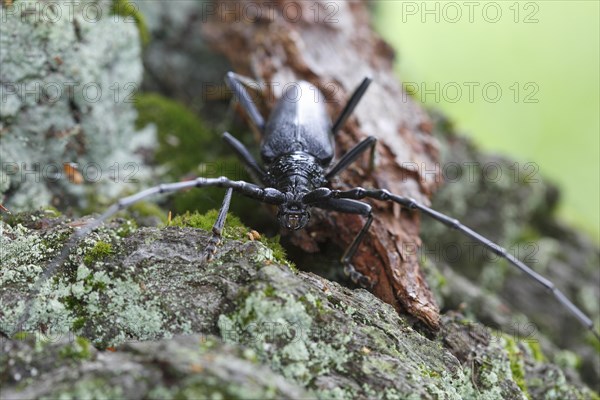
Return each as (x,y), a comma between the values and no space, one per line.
(297,151)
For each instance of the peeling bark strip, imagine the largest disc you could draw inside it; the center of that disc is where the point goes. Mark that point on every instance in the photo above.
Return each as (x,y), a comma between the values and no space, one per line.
(332,45)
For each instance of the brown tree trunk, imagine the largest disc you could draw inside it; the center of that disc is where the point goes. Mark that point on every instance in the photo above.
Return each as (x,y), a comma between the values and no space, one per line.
(332,45)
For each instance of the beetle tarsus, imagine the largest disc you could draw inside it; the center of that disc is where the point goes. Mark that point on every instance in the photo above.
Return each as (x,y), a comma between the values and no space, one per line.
(357,277)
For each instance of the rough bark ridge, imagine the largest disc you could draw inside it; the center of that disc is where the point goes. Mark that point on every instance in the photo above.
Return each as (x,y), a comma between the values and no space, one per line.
(138,314)
(333,46)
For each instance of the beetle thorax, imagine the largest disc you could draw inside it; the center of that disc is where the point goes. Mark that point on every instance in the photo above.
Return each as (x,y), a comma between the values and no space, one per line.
(295,173)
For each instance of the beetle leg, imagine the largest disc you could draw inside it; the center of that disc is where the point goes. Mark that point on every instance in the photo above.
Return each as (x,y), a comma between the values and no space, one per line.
(236,83)
(352,207)
(244,155)
(217,228)
(352,155)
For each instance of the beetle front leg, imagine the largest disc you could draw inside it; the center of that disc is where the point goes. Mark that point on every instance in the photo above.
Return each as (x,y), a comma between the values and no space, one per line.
(349,269)
(352,207)
(217,228)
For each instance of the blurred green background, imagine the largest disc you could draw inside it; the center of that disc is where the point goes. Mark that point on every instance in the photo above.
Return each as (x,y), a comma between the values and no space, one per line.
(542,55)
